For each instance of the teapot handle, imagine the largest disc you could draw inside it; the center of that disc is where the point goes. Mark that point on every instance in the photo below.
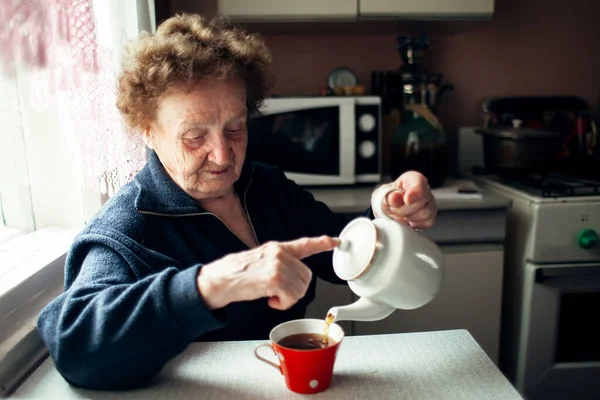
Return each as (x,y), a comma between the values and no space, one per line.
(378,197)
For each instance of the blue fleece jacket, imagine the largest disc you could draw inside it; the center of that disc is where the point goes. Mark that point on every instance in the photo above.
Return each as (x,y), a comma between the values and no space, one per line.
(131,303)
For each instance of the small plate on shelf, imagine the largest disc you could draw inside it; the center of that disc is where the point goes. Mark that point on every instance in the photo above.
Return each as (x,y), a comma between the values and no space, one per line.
(342,77)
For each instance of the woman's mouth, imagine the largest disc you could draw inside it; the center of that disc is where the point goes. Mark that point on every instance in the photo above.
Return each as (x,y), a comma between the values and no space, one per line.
(218,172)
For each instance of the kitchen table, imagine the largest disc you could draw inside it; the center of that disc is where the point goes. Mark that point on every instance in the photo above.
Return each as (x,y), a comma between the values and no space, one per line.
(427,365)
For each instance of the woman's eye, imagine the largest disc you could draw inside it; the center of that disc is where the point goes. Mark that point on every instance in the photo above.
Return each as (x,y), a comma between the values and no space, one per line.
(194,135)
(194,139)
(236,128)
(234,132)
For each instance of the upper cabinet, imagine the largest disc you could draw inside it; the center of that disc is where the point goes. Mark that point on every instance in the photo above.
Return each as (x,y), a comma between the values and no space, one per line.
(426,9)
(315,10)
(286,10)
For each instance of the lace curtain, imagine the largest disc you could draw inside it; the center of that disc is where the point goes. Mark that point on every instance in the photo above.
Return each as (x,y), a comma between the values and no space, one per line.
(57,41)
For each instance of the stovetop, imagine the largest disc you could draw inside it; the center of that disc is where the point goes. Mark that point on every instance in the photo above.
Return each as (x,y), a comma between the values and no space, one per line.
(550,185)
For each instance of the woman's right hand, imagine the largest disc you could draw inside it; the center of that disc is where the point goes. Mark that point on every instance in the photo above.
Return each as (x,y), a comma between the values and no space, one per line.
(273,270)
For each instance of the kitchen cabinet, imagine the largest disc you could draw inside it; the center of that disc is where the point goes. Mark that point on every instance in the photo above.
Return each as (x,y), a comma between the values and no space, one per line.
(249,10)
(470,299)
(426,9)
(313,10)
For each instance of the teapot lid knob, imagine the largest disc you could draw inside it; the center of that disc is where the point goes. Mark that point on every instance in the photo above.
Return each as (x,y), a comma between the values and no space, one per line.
(344,244)
(357,249)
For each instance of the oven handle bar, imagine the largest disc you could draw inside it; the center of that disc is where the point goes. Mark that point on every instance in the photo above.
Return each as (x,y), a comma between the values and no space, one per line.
(544,273)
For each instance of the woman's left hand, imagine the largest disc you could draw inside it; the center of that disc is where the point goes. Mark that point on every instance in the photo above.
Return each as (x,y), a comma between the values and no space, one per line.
(413,204)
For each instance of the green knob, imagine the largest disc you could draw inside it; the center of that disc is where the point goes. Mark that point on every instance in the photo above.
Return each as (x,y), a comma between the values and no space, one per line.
(587,238)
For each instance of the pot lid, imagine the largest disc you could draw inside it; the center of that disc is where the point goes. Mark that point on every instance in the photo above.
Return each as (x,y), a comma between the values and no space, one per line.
(519,133)
(357,249)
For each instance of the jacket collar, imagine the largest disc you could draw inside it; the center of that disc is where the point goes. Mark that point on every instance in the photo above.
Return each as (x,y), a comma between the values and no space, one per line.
(159,194)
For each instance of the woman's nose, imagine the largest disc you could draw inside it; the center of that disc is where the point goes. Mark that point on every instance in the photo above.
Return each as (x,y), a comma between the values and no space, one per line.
(221,151)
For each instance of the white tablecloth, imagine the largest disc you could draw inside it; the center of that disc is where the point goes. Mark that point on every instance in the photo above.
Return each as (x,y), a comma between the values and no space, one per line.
(447,365)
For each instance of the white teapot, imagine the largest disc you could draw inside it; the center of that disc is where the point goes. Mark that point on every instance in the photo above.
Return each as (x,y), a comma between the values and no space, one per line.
(388,264)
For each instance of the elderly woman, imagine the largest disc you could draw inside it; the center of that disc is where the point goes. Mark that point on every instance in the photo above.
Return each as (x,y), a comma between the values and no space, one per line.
(201,245)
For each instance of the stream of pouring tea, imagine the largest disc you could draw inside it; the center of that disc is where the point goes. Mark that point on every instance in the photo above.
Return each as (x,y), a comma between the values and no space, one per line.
(328,322)
(325,339)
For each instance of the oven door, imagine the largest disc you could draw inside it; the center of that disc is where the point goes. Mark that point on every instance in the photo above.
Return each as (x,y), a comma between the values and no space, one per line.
(560,358)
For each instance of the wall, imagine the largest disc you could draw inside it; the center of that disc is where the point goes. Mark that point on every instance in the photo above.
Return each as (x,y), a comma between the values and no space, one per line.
(303,63)
(530,47)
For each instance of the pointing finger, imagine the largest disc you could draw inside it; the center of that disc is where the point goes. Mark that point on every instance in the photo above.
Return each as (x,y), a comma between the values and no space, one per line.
(306,247)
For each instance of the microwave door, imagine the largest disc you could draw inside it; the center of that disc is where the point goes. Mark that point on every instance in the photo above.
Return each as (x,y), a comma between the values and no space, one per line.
(311,140)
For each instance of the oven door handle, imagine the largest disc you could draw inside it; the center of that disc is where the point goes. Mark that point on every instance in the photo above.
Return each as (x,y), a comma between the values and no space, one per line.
(544,273)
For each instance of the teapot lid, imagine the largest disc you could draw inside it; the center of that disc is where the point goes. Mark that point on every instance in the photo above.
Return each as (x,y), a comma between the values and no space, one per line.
(359,244)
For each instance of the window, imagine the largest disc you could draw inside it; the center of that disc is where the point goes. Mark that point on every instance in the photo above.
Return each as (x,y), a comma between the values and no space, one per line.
(62,151)
(54,156)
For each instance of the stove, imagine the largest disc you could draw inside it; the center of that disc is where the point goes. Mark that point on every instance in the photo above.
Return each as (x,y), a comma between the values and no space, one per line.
(551,284)
(543,187)
(552,185)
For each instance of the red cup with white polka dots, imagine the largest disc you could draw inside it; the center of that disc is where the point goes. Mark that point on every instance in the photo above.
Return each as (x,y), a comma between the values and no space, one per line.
(302,358)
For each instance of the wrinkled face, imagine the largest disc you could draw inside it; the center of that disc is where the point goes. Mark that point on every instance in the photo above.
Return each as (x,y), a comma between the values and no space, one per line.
(200,136)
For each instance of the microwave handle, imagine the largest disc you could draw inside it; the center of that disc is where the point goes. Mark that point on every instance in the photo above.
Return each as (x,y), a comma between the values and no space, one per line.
(545,273)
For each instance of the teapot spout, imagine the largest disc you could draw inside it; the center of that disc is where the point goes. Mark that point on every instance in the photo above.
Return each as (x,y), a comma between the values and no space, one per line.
(361,310)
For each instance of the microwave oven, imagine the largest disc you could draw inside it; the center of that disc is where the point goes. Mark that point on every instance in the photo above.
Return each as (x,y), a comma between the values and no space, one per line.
(319,140)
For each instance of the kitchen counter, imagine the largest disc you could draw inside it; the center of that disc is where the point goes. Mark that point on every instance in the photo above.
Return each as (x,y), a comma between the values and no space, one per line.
(357,199)
(459,220)
(429,365)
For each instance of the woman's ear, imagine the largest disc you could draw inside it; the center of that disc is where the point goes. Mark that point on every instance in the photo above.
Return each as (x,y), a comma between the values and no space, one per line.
(148,138)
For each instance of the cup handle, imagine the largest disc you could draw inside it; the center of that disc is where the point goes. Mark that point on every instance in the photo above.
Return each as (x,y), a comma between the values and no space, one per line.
(276,366)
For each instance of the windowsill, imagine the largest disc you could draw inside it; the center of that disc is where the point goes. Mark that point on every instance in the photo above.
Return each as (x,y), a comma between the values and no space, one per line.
(31,275)
(25,255)
(7,234)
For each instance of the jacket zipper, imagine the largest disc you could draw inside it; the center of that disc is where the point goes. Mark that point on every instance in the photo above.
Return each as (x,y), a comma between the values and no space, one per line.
(208,213)
(248,214)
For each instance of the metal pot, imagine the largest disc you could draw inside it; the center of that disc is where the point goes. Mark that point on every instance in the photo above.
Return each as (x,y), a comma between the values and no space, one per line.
(519,149)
